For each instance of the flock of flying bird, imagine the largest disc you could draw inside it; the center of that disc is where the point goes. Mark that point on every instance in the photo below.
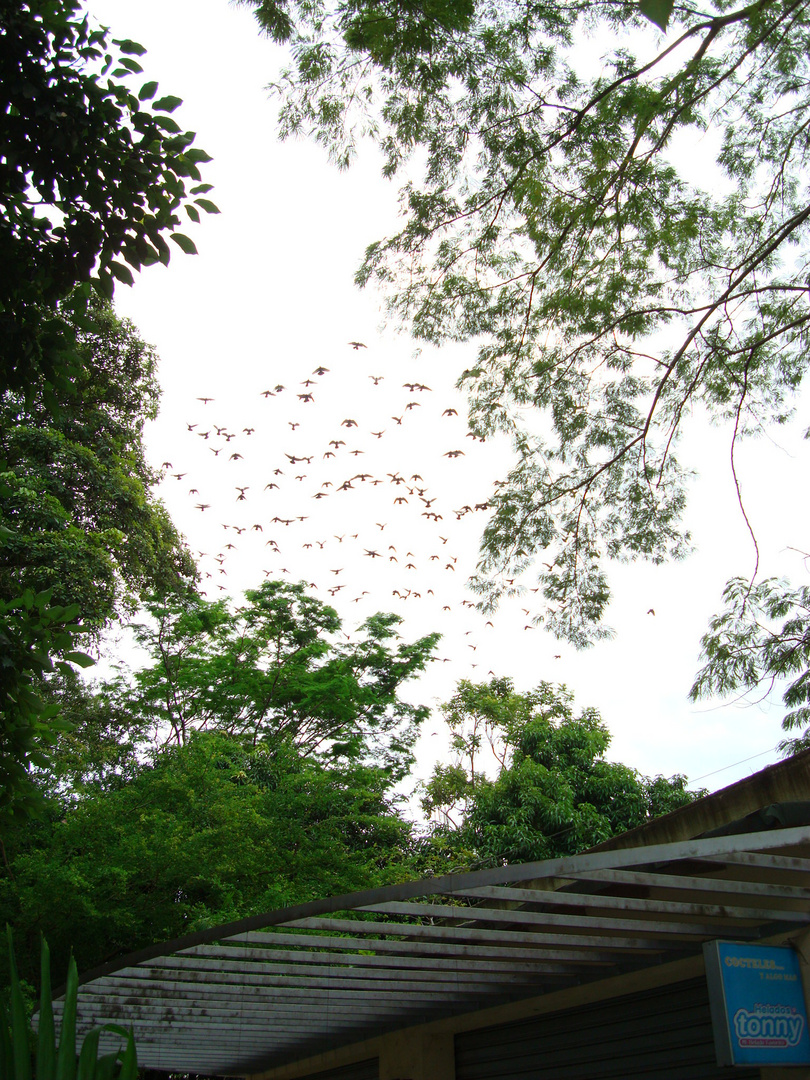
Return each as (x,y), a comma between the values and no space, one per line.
(333,478)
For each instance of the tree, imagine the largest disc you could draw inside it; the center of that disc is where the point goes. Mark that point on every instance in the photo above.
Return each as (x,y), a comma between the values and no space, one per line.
(545,218)
(554,793)
(78,511)
(32,632)
(278,670)
(97,746)
(211,831)
(248,765)
(82,535)
(92,173)
(762,636)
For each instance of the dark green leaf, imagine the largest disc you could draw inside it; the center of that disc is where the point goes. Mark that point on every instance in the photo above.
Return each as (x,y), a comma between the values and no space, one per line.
(185,243)
(657,11)
(167,104)
(19,1023)
(121,272)
(131,65)
(128,46)
(80,658)
(46,1038)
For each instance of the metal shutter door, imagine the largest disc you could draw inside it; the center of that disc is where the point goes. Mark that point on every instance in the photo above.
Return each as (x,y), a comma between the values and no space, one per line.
(664,1033)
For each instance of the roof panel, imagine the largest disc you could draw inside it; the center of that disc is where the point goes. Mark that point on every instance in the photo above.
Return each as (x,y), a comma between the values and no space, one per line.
(271,988)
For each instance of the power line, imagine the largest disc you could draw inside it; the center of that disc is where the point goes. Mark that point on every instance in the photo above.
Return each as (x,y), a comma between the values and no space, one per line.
(733,765)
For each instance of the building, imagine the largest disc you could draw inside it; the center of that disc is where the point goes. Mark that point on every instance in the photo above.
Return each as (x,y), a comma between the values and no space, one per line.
(585,967)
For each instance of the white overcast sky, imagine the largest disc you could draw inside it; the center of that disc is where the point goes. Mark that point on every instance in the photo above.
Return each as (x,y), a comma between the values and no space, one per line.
(269,300)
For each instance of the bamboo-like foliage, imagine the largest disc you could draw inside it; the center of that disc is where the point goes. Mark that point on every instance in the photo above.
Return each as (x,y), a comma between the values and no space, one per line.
(25,1057)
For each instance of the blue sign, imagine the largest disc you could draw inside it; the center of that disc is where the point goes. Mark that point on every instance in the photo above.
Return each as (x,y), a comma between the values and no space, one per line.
(757,1003)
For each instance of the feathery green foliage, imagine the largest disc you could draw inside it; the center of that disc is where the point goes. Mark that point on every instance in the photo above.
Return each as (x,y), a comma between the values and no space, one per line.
(546,218)
(762,638)
(36,638)
(278,669)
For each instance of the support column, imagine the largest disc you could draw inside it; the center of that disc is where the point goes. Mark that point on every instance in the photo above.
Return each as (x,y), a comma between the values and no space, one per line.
(801,943)
(411,1055)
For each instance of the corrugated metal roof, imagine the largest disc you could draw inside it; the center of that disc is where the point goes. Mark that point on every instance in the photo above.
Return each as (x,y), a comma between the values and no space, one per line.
(291,983)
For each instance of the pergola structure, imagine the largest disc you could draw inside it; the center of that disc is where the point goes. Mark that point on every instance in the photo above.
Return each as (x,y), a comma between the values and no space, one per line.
(283,986)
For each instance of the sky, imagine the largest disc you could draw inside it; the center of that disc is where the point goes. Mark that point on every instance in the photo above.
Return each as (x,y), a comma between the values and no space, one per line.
(269,302)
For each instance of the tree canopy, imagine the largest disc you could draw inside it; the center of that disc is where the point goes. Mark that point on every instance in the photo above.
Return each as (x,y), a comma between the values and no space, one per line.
(94,175)
(554,792)
(548,218)
(208,832)
(146,839)
(250,763)
(276,670)
(82,534)
(78,510)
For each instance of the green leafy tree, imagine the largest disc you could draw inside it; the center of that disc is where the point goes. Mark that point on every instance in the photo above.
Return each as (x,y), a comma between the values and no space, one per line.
(78,512)
(278,669)
(213,830)
(82,535)
(554,793)
(248,765)
(93,177)
(546,219)
(96,747)
(95,172)
(33,631)
(760,640)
